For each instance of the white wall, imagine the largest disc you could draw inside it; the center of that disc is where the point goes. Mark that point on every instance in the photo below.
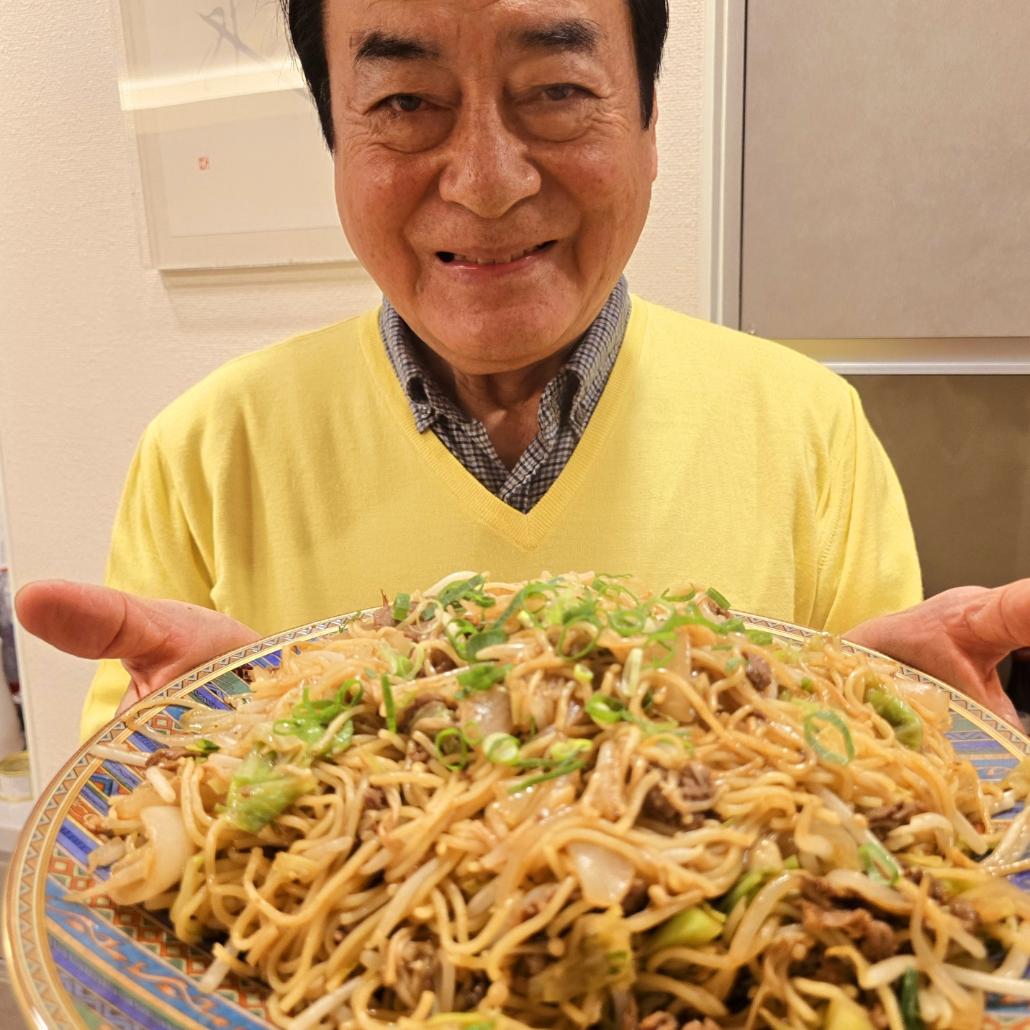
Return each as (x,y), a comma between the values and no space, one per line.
(93,344)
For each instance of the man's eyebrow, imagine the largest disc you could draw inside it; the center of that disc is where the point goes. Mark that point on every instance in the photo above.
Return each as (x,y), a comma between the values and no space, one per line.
(576,34)
(382,46)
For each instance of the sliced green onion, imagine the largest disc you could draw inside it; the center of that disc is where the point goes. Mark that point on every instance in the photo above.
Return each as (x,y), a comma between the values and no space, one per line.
(878,863)
(525,619)
(342,738)
(734,663)
(590,645)
(451,759)
(807,685)
(203,747)
(400,665)
(560,770)
(466,590)
(759,636)
(908,727)
(477,679)
(482,640)
(629,622)
(401,607)
(581,674)
(744,889)
(834,720)
(718,598)
(502,748)
(566,749)
(389,704)
(909,1000)
(604,709)
(538,588)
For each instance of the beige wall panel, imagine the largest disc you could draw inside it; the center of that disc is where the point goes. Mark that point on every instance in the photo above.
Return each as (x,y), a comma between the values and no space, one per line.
(961,446)
(886,165)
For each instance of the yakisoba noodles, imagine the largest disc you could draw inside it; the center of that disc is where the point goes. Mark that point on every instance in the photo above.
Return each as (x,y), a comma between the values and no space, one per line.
(567,803)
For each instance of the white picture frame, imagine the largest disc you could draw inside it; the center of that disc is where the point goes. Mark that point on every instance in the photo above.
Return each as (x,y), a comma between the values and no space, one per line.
(234,169)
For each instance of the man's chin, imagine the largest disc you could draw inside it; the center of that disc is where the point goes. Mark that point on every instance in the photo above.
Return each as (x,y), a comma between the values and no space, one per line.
(497,341)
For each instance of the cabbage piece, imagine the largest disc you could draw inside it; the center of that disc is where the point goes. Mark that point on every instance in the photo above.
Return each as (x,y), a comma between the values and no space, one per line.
(260,789)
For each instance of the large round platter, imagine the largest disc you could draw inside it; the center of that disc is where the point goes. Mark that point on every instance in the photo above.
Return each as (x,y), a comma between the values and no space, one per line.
(96,966)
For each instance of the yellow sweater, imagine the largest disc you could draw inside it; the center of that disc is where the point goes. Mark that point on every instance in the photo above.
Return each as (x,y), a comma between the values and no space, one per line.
(292,485)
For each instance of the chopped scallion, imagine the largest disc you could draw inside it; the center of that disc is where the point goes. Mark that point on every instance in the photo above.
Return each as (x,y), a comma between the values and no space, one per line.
(566,749)
(452,749)
(878,863)
(389,704)
(502,748)
(203,747)
(605,710)
(581,674)
(562,769)
(477,679)
(910,1014)
(834,720)
(482,640)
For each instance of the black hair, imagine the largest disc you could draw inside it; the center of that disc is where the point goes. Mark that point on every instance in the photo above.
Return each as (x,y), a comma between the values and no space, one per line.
(306,19)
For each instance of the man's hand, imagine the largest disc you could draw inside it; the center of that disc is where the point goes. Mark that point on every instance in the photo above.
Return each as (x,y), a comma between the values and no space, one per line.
(960,637)
(156,641)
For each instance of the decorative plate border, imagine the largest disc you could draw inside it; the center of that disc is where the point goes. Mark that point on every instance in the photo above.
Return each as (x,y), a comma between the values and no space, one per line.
(34,978)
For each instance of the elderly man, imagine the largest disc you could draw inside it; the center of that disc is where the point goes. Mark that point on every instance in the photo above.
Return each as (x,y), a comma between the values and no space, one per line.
(510,406)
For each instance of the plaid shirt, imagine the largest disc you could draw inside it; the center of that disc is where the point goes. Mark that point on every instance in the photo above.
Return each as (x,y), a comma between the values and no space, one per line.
(566,405)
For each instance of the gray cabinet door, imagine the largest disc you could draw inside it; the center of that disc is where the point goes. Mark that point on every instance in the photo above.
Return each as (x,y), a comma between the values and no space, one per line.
(886,183)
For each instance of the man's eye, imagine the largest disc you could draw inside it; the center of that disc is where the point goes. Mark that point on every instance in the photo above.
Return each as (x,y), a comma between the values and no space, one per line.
(562,91)
(403,103)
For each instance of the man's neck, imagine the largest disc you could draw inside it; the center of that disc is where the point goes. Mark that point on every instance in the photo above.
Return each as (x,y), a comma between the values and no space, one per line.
(507,403)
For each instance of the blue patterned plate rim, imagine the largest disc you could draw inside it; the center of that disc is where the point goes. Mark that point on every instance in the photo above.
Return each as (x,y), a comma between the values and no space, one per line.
(32,893)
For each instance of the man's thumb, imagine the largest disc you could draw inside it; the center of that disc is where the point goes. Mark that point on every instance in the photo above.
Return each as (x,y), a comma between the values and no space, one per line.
(1001,619)
(91,621)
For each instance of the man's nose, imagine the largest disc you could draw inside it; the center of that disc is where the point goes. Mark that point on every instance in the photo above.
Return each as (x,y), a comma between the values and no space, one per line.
(488,169)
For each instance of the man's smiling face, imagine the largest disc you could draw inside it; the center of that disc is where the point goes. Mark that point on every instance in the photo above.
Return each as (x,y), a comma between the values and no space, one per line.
(492,171)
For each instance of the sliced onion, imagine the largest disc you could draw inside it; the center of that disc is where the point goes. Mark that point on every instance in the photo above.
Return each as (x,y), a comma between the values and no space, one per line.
(129,806)
(160,783)
(1013,845)
(489,711)
(218,970)
(878,894)
(159,863)
(886,972)
(1016,988)
(929,697)
(105,855)
(604,875)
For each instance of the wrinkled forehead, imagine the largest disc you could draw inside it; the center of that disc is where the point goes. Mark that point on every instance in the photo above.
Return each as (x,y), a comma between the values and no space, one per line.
(453,29)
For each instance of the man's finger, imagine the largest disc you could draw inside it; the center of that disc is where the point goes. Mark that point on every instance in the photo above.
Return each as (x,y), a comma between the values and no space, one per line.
(1001,620)
(83,619)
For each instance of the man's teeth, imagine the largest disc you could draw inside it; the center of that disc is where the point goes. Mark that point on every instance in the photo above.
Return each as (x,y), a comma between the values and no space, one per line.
(465,260)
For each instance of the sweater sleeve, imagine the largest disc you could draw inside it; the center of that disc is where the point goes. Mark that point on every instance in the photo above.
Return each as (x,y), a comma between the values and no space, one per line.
(154,553)
(868,563)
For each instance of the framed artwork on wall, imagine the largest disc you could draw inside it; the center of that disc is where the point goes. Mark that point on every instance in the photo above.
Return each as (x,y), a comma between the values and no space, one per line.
(235,172)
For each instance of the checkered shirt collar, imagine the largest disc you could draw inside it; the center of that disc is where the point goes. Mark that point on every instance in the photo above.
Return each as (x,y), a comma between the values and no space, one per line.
(576,388)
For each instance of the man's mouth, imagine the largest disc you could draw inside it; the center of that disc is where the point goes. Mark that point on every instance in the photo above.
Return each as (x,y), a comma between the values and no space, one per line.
(480,258)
